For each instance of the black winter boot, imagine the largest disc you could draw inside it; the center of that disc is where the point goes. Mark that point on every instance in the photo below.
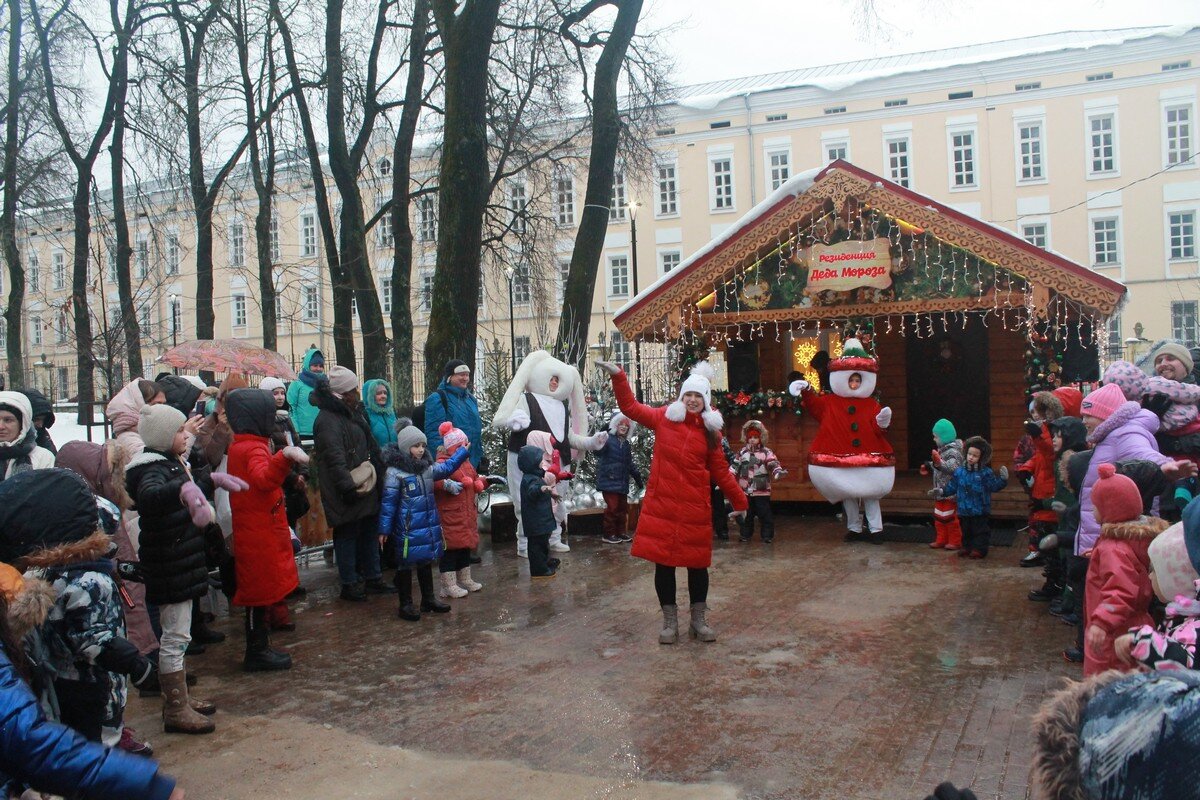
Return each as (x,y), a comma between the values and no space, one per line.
(201,633)
(259,655)
(429,601)
(404,585)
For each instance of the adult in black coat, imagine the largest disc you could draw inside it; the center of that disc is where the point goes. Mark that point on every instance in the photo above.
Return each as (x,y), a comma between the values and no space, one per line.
(43,418)
(181,393)
(342,443)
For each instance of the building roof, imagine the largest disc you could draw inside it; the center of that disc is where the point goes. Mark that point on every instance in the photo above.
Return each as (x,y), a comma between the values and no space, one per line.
(761,228)
(832,77)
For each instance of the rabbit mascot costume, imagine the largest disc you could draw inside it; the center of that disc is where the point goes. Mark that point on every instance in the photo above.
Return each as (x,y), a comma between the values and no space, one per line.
(545,395)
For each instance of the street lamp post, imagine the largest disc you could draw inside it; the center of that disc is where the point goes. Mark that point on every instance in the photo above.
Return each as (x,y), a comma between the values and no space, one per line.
(174,310)
(510,273)
(637,343)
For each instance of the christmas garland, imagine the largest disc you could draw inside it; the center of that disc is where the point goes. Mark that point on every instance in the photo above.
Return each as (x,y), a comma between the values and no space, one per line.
(753,404)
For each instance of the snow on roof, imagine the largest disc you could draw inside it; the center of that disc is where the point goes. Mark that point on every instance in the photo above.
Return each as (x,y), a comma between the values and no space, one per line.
(793,187)
(833,77)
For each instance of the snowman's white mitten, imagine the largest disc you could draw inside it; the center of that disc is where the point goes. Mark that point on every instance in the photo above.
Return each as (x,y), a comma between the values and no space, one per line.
(796,387)
(884,418)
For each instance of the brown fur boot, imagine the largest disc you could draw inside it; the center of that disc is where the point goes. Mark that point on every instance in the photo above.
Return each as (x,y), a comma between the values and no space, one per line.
(178,715)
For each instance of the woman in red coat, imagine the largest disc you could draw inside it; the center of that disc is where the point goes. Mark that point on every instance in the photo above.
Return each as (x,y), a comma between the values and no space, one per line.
(675,525)
(262,541)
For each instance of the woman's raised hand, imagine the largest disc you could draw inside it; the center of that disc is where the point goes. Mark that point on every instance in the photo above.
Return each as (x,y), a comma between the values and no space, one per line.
(608,366)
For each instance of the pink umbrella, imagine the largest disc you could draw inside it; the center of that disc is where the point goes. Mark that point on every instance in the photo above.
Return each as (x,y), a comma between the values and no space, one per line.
(228,355)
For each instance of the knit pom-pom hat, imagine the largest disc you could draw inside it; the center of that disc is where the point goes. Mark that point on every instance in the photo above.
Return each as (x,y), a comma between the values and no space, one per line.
(408,435)
(452,437)
(271,384)
(699,381)
(1103,402)
(158,426)
(1115,496)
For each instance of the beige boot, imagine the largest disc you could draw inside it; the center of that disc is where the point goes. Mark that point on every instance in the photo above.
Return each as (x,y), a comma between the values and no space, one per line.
(670,629)
(178,716)
(450,587)
(699,628)
(464,580)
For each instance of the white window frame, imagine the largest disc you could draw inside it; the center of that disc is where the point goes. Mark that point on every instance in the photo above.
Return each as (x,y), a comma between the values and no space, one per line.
(620,350)
(673,254)
(1026,120)
(35,330)
(618,199)
(146,318)
(722,197)
(666,201)
(310,303)
(276,247)
(522,285)
(238,313)
(237,244)
(425,279)
(384,235)
(1178,332)
(174,253)
(954,129)
(62,326)
(1031,221)
(1174,100)
(175,310)
(612,263)
(775,174)
(518,206)
(1168,211)
(831,146)
(308,234)
(33,271)
(141,257)
(385,294)
(58,261)
(564,198)
(562,266)
(522,346)
(1093,218)
(427,221)
(892,173)
(110,251)
(1094,110)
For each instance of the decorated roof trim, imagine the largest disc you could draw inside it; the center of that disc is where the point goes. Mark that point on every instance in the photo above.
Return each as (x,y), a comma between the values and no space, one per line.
(665,298)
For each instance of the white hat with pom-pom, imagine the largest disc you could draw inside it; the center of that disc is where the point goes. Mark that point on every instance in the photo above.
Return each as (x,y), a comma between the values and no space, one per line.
(700,382)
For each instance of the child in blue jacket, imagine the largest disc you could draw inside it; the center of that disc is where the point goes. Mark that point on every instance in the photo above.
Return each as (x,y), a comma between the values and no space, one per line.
(973,485)
(614,468)
(537,512)
(408,515)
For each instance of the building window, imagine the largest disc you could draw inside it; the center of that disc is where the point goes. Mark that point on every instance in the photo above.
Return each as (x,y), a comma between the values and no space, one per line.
(518,204)
(618,276)
(779,167)
(1028,87)
(619,350)
(966,95)
(522,287)
(521,348)
(564,271)
(1184,321)
(176,312)
(384,226)
(145,320)
(385,294)
(962,159)
(835,110)
(1181,230)
(776,117)
(664,132)
(34,273)
(1179,134)
(721,124)
(114,317)
(1102,143)
(427,218)
(617,202)
(899,169)
(1106,249)
(239,310)
(276,254)
(35,330)
(172,253)
(425,292)
(1171,66)
(310,300)
(1030,151)
(669,259)
(1099,76)
(59,259)
(308,235)
(61,327)
(836,150)
(901,101)
(564,199)
(3,334)
(237,245)
(385,166)
(141,257)
(1037,234)
(668,190)
(1115,344)
(721,172)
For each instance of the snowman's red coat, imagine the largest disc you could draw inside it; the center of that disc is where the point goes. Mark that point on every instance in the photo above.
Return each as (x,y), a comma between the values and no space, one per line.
(848,435)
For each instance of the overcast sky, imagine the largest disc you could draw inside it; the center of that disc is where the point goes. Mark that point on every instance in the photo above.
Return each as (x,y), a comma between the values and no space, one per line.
(719,39)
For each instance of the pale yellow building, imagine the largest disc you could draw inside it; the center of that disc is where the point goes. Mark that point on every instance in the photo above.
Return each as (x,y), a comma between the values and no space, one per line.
(1082,142)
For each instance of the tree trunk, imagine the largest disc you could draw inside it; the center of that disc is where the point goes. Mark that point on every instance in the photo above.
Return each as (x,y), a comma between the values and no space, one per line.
(128,323)
(14,312)
(79,286)
(402,258)
(589,239)
(467,43)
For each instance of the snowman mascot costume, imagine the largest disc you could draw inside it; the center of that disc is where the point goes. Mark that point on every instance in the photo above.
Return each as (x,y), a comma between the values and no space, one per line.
(850,460)
(545,395)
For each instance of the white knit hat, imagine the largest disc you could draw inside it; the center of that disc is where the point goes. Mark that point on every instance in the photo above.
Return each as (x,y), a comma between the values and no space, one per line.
(699,381)
(158,426)
(271,384)
(617,419)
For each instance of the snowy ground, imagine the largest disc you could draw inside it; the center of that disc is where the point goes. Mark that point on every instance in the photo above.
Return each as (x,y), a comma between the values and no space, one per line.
(66,429)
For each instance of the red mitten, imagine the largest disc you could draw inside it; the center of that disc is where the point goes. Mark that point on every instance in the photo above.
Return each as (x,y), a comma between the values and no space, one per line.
(935,457)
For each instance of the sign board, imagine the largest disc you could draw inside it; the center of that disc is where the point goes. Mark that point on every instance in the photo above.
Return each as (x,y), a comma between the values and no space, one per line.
(850,265)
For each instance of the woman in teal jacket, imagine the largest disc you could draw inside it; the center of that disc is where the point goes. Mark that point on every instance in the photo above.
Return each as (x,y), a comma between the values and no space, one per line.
(377,402)
(312,372)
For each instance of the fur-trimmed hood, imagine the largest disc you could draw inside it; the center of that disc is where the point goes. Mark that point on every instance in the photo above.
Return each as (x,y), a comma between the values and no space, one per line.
(985,451)
(616,420)
(1047,406)
(102,466)
(1055,771)
(403,461)
(94,548)
(1144,528)
(756,425)
(31,606)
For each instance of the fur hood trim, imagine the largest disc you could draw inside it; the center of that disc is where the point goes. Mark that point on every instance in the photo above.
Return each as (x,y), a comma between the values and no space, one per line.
(984,448)
(617,419)
(1142,528)
(93,548)
(1056,725)
(403,461)
(144,457)
(756,425)
(1048,406)
(31,606)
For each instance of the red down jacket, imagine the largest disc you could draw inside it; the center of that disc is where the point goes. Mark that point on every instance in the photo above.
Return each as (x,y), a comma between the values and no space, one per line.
(460,520)
(262,541)
(675,525)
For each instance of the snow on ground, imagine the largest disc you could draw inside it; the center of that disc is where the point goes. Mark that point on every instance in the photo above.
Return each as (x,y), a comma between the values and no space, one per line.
(66,429)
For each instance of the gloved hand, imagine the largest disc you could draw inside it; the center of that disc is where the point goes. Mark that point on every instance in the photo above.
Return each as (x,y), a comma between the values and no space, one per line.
(1058,506)
(148,679)
(1048,542)
(495,480)
(926,467)
(608,366)
(451,486)
(795,388)
(935,456)
(1004,473)
(196,503)
(738,517)
(1026,478)
(230,483)
(295,454)
(935,493)
(479,485)
(519,420)
(130,571)
(779,473)
(884,417)
(1034,429)
(1156,404)
(597,441)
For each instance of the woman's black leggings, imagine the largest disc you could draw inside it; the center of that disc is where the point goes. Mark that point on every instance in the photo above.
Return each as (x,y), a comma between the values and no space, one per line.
(664,584)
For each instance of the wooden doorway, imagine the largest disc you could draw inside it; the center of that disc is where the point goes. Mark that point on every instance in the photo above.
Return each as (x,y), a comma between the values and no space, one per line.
(947,377)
